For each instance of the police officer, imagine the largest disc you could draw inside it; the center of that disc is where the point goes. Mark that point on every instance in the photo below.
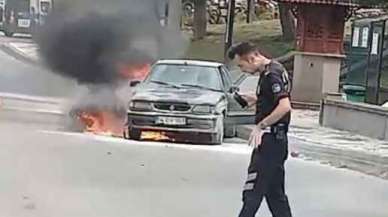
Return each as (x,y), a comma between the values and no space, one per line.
(269,136)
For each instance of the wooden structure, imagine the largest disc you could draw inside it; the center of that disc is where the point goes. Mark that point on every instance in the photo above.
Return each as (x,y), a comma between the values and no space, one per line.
(320,24)
(319,44)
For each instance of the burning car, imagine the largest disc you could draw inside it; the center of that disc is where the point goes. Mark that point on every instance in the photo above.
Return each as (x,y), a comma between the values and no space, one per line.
(187,101)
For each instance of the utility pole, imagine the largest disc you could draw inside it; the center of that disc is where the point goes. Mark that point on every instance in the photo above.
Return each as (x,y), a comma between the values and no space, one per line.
(229,27)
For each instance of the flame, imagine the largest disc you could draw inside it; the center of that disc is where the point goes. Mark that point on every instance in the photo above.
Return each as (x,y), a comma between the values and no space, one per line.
(102,123)
(155,136)
(134,72)
(106,122)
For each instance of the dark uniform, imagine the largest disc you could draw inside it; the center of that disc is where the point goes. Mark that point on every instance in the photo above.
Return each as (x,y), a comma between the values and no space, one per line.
(266,169)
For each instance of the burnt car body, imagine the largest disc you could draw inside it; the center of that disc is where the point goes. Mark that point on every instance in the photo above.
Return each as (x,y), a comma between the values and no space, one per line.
(190,101)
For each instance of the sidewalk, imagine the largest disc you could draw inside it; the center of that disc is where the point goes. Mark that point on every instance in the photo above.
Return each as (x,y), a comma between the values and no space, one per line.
(339,148)
(307,138)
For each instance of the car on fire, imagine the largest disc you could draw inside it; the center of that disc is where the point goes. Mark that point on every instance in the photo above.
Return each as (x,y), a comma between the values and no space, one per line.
(189,101)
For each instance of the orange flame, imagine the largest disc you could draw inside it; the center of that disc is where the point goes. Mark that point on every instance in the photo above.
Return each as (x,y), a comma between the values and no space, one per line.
(102,123)
(155,136)
(106,122)
(134,72)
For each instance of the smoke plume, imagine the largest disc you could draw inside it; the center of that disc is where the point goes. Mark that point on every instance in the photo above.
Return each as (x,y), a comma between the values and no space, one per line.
(92,42)
(88,39)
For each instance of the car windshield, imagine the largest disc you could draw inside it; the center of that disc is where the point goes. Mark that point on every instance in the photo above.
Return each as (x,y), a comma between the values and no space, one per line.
(186,75)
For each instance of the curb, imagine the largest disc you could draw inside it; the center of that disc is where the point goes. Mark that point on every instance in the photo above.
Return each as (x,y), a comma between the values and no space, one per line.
(359,161)
(18,55)
(305,105)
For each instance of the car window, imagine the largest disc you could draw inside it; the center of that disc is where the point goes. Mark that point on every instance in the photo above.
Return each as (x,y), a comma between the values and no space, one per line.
(226,78)
(186,74)
(247,83)
(235,73)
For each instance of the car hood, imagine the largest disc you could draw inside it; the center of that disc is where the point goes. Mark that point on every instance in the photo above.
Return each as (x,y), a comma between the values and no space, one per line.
(160,93)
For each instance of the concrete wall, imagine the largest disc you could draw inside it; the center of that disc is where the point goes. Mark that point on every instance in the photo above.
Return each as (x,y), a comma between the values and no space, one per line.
(314,75)
(360,118)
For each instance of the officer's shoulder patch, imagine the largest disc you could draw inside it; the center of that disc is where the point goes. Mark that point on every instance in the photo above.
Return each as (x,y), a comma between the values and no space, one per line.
(276,88)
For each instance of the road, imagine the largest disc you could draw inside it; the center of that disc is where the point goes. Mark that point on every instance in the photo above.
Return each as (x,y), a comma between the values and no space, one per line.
(23,78)
(48,173)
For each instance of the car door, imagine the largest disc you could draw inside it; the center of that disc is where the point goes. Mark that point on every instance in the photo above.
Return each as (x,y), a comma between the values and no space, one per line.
(236,115)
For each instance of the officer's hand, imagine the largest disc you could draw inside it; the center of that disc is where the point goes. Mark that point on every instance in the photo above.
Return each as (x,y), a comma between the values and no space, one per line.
(255,138)
(251,98)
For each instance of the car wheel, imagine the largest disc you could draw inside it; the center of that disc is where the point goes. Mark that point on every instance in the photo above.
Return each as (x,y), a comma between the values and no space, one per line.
(230,131)
(134,134)
(214,16)
(220,131)
(188,9)
(8,33)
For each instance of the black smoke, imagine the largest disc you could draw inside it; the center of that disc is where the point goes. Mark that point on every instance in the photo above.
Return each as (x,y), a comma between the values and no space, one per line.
(86,45)
(85,40)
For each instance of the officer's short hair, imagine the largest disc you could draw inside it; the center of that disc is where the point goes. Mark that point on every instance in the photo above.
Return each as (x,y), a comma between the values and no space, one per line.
(242,49)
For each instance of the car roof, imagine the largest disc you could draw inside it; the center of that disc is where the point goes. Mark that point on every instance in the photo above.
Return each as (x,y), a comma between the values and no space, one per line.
(189,62)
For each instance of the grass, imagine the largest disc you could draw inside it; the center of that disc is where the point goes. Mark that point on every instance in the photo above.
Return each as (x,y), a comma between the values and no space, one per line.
(266,34)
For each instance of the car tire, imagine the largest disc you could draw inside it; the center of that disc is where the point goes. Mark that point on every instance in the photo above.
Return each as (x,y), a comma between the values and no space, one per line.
(220,131)
(214,16)
(8,33)
(230,131)
(134,134)
(188,8)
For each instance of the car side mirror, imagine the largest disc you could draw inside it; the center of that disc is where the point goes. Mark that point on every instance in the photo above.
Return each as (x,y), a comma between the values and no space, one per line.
(234,89)
(134,83)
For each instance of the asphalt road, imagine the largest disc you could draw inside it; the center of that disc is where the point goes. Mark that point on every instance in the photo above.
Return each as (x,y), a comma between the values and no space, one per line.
(49,173)
(23,78)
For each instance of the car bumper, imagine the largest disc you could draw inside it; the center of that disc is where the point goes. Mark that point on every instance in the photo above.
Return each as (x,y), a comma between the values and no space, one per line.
(194,123)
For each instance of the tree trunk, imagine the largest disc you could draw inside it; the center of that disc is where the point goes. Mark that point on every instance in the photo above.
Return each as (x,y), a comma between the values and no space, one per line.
(200,19)
(251,11)
(174,13)
(287,21)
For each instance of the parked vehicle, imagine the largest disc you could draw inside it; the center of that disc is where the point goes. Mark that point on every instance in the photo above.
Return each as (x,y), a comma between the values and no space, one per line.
(22,16)
(190,101)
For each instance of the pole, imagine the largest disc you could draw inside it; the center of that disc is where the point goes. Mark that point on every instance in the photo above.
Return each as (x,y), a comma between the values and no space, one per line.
(249,12)
(229,27)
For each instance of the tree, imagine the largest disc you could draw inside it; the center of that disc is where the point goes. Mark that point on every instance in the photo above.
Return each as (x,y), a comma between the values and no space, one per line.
(287,21)
(251,11)
(200,19)
(174,14)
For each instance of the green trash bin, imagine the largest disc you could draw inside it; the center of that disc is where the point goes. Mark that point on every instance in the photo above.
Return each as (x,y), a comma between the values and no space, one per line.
(354,93)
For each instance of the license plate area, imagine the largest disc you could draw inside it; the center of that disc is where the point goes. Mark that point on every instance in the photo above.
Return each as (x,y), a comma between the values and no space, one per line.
(171,121)
(24,23)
